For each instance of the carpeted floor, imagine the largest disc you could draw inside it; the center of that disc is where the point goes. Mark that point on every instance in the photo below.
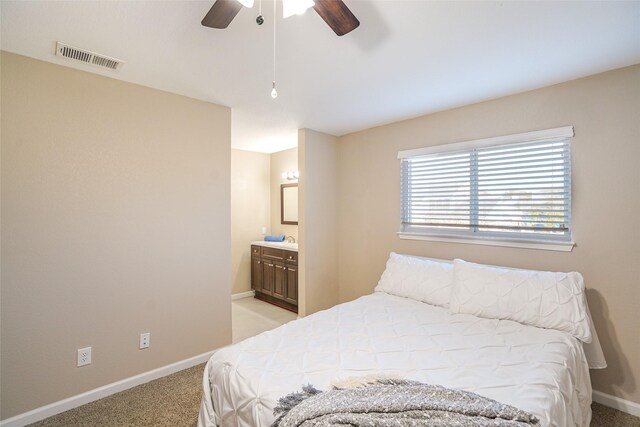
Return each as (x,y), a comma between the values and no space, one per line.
(174,401)
(604,416)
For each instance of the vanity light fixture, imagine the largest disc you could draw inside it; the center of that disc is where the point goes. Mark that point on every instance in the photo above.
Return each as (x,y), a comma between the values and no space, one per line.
(291,175)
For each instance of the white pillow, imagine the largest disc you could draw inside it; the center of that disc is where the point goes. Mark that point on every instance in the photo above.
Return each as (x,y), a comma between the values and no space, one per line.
(538,298)
(420,279)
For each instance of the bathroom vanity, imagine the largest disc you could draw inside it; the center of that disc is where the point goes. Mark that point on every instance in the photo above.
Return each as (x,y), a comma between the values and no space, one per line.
(274,273)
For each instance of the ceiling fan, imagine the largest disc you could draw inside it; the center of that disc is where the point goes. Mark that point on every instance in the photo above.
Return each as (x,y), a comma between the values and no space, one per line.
(334,12)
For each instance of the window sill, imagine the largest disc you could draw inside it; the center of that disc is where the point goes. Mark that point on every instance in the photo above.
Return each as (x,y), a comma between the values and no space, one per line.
(509,243)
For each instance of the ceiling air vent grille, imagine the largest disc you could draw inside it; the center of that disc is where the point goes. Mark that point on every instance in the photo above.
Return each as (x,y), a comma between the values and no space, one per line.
(87,57)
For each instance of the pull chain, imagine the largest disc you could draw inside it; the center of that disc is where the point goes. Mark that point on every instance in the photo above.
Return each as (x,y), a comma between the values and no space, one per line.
(274,92)
(259,18)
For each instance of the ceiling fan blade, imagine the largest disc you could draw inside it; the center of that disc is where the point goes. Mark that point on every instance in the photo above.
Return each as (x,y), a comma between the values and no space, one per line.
(221,13)
(337,15)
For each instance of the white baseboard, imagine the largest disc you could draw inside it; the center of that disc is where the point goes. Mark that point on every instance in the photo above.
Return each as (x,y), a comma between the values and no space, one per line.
(242,295)
(100,392)
(47,411)
(614,402)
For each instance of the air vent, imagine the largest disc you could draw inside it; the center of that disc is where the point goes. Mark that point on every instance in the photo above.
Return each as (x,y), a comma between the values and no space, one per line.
(87,57)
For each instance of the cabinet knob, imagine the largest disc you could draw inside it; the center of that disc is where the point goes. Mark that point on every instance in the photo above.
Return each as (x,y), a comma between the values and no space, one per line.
(258,262)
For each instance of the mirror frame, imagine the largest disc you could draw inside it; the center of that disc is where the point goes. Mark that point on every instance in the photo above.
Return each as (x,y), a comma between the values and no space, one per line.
(282,187)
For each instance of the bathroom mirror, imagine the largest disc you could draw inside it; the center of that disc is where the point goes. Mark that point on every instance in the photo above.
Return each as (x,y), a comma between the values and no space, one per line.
(289,204)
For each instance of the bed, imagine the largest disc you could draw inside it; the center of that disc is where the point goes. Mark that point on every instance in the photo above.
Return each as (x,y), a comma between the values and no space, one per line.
(395,333)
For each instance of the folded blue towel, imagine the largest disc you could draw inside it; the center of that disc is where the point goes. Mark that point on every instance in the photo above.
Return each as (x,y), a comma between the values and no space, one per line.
(273,238)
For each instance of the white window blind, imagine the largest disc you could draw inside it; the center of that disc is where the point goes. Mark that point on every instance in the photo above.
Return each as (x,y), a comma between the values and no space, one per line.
(494,188)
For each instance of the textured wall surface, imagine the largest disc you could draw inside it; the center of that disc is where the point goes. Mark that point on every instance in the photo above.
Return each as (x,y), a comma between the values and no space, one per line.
(318,260)
(115,221)
(250,211)
(604,110)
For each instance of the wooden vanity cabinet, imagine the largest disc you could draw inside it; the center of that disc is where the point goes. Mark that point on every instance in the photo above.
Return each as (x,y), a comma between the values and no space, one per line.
(291,289)
(256,272)
(274,276)
(268,277)
(279,282)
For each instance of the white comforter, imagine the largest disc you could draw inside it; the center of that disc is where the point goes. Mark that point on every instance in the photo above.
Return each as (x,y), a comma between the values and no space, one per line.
(538,370)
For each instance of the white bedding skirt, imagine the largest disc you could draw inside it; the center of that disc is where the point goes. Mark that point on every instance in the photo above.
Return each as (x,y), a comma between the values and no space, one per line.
(541,371)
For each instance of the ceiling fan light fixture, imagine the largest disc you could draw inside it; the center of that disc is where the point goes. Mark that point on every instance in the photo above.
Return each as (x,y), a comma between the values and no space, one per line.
(295,7)
(246,3)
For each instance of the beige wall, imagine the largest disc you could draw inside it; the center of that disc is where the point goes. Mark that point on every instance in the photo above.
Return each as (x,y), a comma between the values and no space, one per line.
(604,110)
(318,258)
(255,203)
(282,161)
(250,211)
(115,221)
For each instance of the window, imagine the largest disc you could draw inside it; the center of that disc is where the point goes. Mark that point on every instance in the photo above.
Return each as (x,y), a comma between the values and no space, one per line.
(512,190)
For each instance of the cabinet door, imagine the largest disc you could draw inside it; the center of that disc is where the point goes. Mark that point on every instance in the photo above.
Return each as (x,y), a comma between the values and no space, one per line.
(280,281)
(268,277)
(256,274)
(291,289)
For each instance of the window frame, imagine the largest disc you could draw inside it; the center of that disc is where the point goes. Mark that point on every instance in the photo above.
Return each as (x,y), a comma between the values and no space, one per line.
(563,243)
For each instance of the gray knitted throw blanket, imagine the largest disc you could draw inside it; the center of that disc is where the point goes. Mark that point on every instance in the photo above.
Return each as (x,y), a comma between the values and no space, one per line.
(395,403)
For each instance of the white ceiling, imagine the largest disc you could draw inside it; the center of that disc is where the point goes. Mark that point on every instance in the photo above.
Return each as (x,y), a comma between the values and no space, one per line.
(406,59)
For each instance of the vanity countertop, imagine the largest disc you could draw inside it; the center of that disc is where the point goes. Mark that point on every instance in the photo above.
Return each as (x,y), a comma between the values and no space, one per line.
(278,245)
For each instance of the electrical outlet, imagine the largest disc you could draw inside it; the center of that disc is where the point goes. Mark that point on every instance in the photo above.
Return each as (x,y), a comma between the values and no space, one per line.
(84,356)
(145,340)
